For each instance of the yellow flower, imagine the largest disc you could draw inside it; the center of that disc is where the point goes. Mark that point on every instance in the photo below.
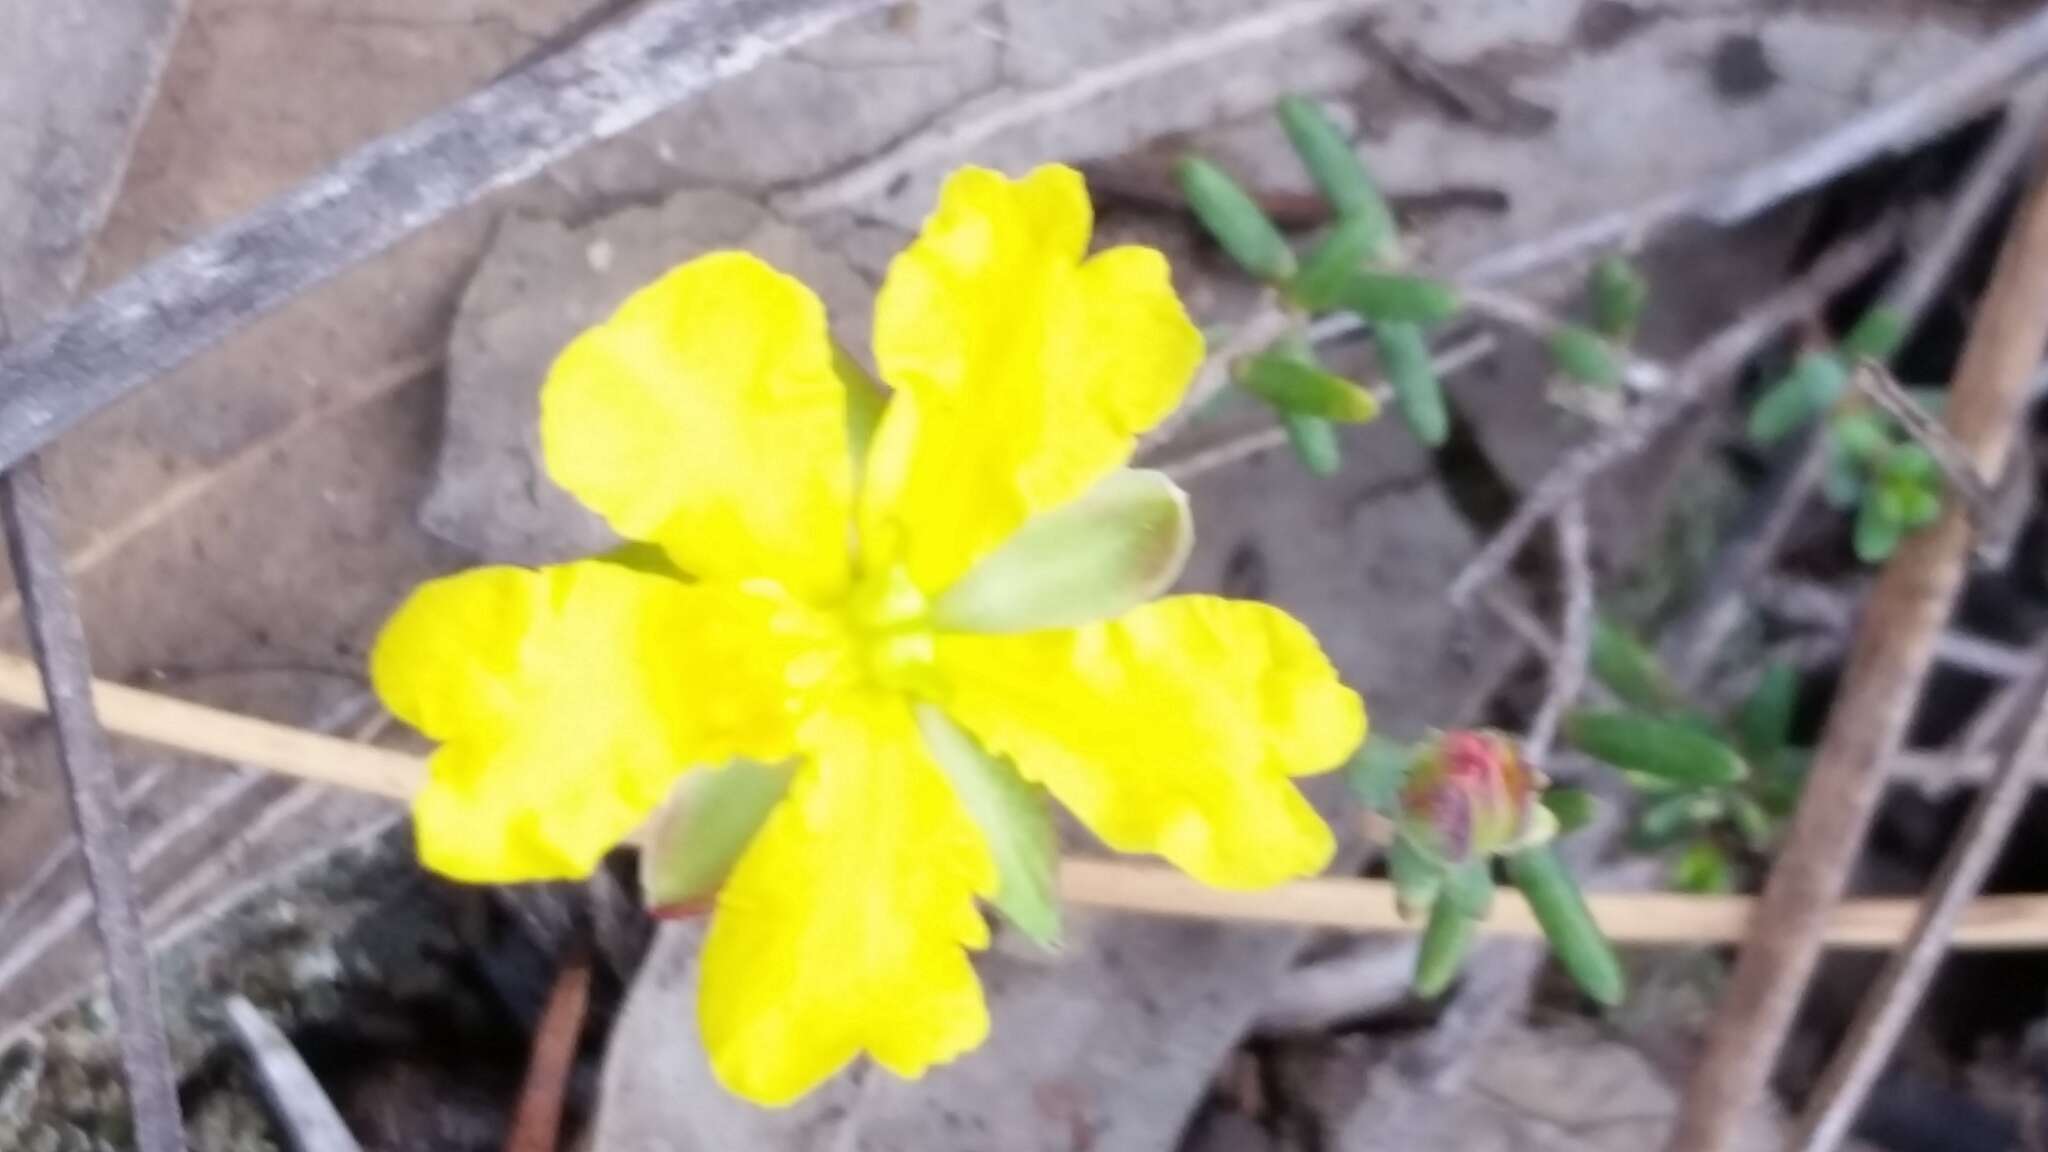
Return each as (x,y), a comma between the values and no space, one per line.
(826,620)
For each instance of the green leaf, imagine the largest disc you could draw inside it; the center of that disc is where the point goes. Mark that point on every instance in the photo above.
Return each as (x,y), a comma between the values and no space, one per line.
(1416,873)
(1337,258)
(1585,356)
(1878,530)
(1629,669)
(1119,545)
(1395,298)
(1876,336)
(1764,724)
(1302,389)
(1841,480)
(1244,230)
(1404,357)
(1573,808)
(1812,385)
(1315,444)
(1909,463)
(1014,817)
(1377,772)
(1445,940)
(1619,293)
(1671,749)
(1862,434)
(1578,942)
(1702,869)
(1919,505)
(1335,167)
(703,827)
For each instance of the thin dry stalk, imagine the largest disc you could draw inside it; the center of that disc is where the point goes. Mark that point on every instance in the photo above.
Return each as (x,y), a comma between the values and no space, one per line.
(1878,385)
(1575,643)
(1894,649)
(1889,1006)
(537,1125)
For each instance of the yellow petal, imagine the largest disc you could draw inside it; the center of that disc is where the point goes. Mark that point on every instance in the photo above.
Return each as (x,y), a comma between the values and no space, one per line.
(845,925)
(568,700)
(1173,729)
(1023,373)
(705,417)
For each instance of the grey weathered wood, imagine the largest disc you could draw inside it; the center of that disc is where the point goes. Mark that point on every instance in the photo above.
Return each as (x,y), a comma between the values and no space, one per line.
(171,309)
(76,93)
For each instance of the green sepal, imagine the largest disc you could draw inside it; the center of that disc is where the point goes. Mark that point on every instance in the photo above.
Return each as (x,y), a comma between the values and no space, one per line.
(1122,543)
(1335,167)
(1376,772)
(1618,294)
(1672,749)
(1298,387)
(865,401)
(1015,819)
(1441,952)
(1702,869)
(1581,948)
(1876,336)
(641,556)
(1395,298)
(1416,873)
(1404,357)
(1764,723)
(1338,257)
(707,821)
(1812,385)
(1572,808)
(1243,229)
(1627,668)
(1585,356)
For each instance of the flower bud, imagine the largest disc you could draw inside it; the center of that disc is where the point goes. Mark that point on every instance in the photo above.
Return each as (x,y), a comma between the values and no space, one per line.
(1471,795)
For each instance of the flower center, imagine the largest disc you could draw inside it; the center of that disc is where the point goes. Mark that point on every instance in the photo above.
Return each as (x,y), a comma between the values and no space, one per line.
(885,621)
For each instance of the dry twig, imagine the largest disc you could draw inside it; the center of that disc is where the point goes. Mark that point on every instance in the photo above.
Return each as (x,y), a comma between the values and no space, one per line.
(1889,1005)
(1874,382)
(1894,649)
(1702,373)
(1575,637)
(537,1125)
(302,1109)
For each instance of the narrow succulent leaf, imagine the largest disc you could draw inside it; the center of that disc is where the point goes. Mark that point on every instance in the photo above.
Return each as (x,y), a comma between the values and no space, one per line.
(1618,294)
(1417,875)
(1445,939)
(1585,356)
(1315,444)
(1377,771)
(1664,820)
(1302,389)
(1764,724)
(1878,530)
(1335,167)
(1841,480)
(1395,298)
(1015,818)
(1909,463)
(1862,434)
(1119,545)
(1572,808)
(1919,505)
(700,832)
(1876,336)
(1703,869)
(1812,385)
(1340,255)
(1655,746)
(1243,229)
(1627,668)
(1752,823)
(1576,939)
(1404,357)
